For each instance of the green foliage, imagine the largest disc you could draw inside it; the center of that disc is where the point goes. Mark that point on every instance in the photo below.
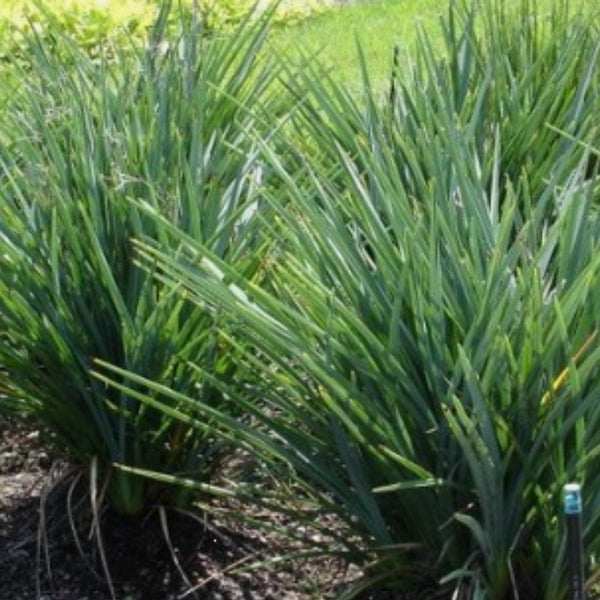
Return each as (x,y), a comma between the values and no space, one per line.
(97,24)
(424,349)
(168,126)
(378,25)
(90,24)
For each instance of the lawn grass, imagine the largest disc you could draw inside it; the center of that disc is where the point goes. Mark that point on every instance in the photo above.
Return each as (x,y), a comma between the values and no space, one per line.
(377,25)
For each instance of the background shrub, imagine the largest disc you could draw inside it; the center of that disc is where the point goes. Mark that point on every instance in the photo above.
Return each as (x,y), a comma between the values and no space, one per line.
(93,24)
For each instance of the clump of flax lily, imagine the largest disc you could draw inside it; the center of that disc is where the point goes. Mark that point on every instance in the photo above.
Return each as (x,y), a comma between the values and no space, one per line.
(170,124)
(423,353)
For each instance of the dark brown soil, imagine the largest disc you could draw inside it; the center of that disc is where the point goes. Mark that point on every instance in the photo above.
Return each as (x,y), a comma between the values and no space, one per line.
(164,556)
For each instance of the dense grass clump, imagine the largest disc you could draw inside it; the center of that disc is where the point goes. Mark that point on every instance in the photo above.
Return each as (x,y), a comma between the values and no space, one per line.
(85,143)
(422,351)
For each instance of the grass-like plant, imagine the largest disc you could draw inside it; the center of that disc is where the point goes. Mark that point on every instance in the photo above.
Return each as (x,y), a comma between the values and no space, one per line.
(534,86)
(167,125)
(378,25)
(424,354)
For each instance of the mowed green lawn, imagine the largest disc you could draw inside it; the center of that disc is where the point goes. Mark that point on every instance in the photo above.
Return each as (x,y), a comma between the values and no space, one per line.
(377,25)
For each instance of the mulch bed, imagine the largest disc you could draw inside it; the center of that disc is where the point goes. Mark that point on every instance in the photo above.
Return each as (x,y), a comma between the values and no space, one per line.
(180,555)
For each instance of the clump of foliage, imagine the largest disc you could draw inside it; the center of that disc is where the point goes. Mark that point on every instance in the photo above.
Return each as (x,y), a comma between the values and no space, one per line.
(169,126)
(424,352)
(90,24)
(97,24)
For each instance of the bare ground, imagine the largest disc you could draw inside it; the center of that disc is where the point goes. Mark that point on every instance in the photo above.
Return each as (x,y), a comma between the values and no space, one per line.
(164,556)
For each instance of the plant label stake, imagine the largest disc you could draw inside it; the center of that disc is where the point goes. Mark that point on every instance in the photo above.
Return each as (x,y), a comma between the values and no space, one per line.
(572,504)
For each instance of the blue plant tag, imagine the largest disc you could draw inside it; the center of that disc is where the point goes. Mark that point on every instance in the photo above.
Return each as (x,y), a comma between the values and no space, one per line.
(572,498)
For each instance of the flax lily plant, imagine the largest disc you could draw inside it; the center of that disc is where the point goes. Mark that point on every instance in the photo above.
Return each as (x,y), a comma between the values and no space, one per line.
(423,351)
(168,124)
